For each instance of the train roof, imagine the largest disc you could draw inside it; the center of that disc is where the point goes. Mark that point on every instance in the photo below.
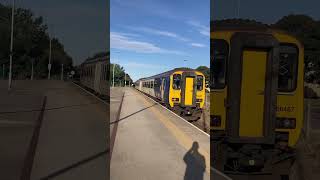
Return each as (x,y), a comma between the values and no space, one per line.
(168,73)
(97,59)
(253,26)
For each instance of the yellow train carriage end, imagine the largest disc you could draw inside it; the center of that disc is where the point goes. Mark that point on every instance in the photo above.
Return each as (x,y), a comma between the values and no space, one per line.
(289,104)
(175,92)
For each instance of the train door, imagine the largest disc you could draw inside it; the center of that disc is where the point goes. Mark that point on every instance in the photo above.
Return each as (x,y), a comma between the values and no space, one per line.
(188,93)
(162,88)
(188,96)
(252,88)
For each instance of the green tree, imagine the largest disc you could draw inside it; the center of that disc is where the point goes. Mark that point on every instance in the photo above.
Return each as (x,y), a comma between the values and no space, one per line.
(307,30)
(119,75)
(31,43)
(205,70)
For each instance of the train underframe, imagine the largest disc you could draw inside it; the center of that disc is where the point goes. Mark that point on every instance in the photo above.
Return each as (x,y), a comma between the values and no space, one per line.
(190,113)
(252,159)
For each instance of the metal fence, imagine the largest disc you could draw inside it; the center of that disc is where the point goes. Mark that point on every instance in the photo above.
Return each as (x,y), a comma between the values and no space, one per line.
(311,125)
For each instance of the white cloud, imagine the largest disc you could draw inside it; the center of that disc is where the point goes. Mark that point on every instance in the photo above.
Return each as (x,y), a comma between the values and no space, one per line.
(142,65)
(197,45)
(123,42)
(204,30)
(160,32)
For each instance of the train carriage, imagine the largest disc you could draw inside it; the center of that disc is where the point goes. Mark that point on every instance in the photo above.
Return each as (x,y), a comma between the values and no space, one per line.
(181,89)
(95,74)
(256,99)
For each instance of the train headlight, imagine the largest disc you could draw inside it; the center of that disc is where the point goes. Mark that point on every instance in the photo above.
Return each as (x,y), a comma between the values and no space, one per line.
(215,120)
(199,100)
(286,123)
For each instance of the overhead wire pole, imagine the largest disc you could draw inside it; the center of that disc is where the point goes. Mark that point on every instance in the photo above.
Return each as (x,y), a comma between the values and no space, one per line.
(11,46)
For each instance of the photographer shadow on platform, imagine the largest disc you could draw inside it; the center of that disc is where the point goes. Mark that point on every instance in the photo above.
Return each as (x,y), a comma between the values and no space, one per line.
(195,162)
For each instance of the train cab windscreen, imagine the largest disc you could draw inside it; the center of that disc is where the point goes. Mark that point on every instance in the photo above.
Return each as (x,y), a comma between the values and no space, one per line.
(288,66)
(218,63)
(176,81)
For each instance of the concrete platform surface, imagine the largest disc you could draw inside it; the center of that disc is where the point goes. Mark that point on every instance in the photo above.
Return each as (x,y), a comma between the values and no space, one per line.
(152,143)
(72,143)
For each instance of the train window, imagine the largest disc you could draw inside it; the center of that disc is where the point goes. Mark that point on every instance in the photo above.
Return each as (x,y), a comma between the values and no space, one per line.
(288,67)
(177,81)
(219,57)
(151,84)
(199,83)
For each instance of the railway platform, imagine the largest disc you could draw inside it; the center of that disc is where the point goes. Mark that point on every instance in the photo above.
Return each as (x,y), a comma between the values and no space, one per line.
(52,130)
(153,143)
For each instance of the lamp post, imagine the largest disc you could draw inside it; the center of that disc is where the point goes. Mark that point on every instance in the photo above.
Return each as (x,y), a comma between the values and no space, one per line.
(125,79)
(32,60)
(61,72)
(238,8)
(11,46)
(3,73)
(113,75)
(49,64)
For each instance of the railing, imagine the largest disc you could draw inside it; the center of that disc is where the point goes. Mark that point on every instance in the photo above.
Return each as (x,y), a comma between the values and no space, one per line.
(311,125)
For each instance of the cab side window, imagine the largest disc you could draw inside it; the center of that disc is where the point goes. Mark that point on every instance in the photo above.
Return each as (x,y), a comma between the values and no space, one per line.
(219,53)
(199,83)
(288,68)
(177,81)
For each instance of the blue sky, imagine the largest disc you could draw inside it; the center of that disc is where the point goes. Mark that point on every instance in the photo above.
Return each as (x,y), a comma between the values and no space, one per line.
(81,25)
(148,37)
